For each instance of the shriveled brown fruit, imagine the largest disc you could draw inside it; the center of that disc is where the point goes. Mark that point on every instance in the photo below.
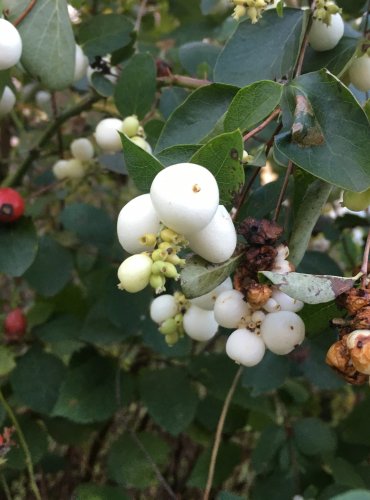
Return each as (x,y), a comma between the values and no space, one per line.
(358,343)
(338,357)
(260,232)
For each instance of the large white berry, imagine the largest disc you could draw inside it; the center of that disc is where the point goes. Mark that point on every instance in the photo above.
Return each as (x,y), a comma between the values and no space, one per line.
(323,37)
(142,143)
(136,219)
(162,308)
(200,324)
(287,303)
(185,196)
(359,73)
(130,125)
(7,101)
(134,273)
(82,149)
(69,169)
(207,301)
(10,45)
(217,241)
(107,136)
(282,331)
(245,347)
(81,64)
(230,309)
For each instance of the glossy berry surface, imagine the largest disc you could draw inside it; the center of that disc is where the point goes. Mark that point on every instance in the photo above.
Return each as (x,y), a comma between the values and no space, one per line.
(15,325)
(11,205)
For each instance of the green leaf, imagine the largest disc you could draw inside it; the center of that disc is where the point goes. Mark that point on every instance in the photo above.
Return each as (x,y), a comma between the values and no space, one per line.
(268,375)
(101,84)
(194,55)
(98,492)
(128,462)
(7,362)
(64,431)
(52,268)
(171,97)
(335,60)
(310,288)
(103,34)
(222,156)
(4,79)
(141,166)
(345,473)
(315,262)
(177,154)
(314,437)
(353,495)
(252,53)
(170,411)
(336,146)
(270,441)
(136,86)
(98,330)
(252,104)
(90,224)
(196,116)
(317,317)
(37,443)
(18,246)
(61,334)
(48,43)
(199,276)
(39,391)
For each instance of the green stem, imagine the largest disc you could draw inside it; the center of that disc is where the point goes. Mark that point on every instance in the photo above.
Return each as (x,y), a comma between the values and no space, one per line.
(308,213)
(15,178)
(24,446)
(5,486)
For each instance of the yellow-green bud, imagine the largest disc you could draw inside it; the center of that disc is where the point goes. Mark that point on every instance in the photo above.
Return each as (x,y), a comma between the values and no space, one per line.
(157,281)
(171,236)
(148,240)
(170,271)
(175,260)
(158,267)
(159,254)
(171,339)
(253,14)
(179,318)
(239,11)
(168,327)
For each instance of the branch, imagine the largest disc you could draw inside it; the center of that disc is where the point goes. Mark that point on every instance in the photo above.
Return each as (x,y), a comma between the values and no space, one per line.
(220,427)
(15,178)
(365,261)
(183,81)
(25,13)
(288,172)
(263,125)
(302,52)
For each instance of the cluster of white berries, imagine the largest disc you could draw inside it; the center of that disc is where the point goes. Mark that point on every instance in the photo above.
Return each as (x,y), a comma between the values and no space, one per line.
(251,8)
(327,27)
(181,210)
(108,138)
(82,152)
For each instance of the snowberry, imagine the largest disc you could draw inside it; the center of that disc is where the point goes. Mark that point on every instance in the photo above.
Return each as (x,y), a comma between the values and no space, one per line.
(107,136)
(162,308)
(136,219)
(282,331)
(60,169)
(217,241)
(69,169)
(130,126)
(356,201)
(81,64)
(134,273)
(359,73)
(82,149)
(257,317)
(7,101)
(245,347)
(185,196)
(199,324)
(282,252)
(42,98)
(10,45)
(287,303)
(11,205)
(323,37)
(230,309)
(282,266)
(207,301)
(142,143)
(15,325)
(271,305)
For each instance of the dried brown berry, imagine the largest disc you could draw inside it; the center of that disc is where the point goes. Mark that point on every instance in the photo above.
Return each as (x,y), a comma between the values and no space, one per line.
(356,299)
(338,358)
(260,232)
(260,258)
(358,343)
(362,319)
(258,294)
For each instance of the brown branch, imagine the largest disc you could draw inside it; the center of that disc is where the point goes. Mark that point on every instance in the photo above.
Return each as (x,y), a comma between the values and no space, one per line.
(54,107)
(140,15)
(25,13)
(365,261)
(183,81)
(288,172)
(302,52)
(263,125)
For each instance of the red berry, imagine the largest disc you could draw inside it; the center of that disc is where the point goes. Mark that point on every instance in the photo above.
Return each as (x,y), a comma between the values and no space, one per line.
(163,68)
(15,325)
(11,205)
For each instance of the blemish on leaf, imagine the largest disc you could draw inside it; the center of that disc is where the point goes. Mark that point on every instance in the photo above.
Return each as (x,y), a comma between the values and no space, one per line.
(306,130)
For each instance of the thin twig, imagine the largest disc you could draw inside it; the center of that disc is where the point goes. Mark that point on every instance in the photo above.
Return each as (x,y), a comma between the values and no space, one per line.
(365,261)
(298,69)
(25,13)
(54,107)
(140,15)
(5,486)
(288,172)
(218,436)
(183,81)
(24,446)
(263,125)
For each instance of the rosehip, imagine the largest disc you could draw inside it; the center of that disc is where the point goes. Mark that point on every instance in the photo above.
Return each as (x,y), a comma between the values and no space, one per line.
(11,205)
(15,325)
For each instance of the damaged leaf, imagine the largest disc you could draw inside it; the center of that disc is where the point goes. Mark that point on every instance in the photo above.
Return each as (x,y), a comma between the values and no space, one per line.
(306,130)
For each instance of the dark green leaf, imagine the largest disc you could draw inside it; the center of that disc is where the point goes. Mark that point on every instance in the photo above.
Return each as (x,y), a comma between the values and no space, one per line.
(101,84)
(334,60)
(314,437)
(18,246)
(222,156)
(318,263)
(171,97)
(317,317)
(61,334)
(252,104)
(177,154)
(353,495)
(64,431)
(253,54)
(136,86)
(268,375)
(269,443)
(98,492)
(193,55)
(345,473)
(7,361)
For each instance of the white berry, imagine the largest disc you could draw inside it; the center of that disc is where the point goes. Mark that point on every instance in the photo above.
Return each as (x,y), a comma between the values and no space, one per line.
(217,241)
(282,331)
(7,101)
(82,149)
(130,125)
(359,73)
(185,196)
(81,64)
(10,45)
(142,143)
(69,169)
(245,347)
(287,303)
(42,98)
(207,301)
(162,308)
(230,309)
(107,136)
(200,324)
(136,219)
(271,305)
(323,37)
(134,273)
(282,266)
